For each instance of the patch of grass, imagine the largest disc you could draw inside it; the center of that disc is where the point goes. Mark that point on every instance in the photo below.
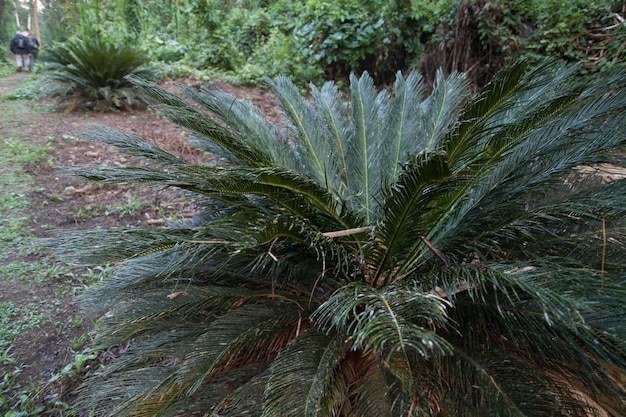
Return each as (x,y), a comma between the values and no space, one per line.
(21,403)
(18,153)
(15,320)
(40,272)
(29,90)
(7,384)
(90,211)
(15,113)
(91,276)
(23,308)
(15,184)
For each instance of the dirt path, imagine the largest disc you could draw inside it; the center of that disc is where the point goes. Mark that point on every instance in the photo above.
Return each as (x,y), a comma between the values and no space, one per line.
(9,83)
(40,284)
(61,203)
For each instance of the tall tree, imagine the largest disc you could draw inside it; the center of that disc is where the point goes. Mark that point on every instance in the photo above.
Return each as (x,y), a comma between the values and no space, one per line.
(17,15)
(35,6)
(388,255)
(3,6)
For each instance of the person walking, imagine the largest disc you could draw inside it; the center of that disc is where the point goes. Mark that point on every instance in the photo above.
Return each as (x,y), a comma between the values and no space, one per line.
(33,46)
(19,47)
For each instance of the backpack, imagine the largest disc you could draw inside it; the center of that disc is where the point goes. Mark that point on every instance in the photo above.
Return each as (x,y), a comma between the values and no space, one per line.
(20,42)
(32,44)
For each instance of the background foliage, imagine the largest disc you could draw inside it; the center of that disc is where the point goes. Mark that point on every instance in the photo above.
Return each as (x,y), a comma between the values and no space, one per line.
(243,41)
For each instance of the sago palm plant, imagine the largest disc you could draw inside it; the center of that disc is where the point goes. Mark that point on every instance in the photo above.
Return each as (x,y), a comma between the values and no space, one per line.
(91,72)
(378,254)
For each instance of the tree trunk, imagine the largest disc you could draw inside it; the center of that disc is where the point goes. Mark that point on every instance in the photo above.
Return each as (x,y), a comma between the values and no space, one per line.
(36,21)
(3,6)
(17,16)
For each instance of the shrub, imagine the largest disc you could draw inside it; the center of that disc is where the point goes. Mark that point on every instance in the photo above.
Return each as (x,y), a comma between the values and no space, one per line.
(92,73)
(386,253)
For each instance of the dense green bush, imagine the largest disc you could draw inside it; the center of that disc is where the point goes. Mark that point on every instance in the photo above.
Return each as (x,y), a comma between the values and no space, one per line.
(342,36)
(584,31)
(480,36)
(6,66)
(327,39)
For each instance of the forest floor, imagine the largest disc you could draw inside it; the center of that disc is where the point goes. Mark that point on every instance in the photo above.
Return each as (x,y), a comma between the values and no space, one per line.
(44,335)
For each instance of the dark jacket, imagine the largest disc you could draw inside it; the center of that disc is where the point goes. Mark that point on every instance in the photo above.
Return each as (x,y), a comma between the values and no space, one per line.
(33,44)
(20,48)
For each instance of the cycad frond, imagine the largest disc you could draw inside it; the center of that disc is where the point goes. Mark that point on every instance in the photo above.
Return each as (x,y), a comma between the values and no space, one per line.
(318,158)
(302,376)
(333,113)
(531,154)
(191,117)
(386,322)
(132,145)
(410,210)
(366,150)
(440,112)
(246,120)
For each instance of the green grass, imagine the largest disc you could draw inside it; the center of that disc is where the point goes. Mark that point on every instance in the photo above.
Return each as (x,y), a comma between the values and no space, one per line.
(25,276)
(15,185)
(90,211)
(25,272)
(14,321)
(39,272)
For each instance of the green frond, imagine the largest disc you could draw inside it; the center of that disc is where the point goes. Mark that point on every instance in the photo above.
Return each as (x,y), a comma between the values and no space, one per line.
(529,156)
(403,122)
(191,117)
(110,246)
(337,125)
(366,151)
(524,331)
(498,384)
(245,399)
(160,308)
(249,334)
(131,145)
(440,112)
(388,322)
(506,382)
(289,239)
(412,206)
(125,389)
(247,122)
(319,160)
(122,175)
(302,376)
(295,192)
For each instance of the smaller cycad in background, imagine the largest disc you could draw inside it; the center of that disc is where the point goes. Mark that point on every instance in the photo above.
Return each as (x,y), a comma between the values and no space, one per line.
(90,73)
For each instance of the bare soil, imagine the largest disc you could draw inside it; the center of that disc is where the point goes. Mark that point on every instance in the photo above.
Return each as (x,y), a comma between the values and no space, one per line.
(60,204)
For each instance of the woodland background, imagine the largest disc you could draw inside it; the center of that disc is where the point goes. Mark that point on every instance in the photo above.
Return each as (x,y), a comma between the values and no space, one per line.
(243,41)
(233,45)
